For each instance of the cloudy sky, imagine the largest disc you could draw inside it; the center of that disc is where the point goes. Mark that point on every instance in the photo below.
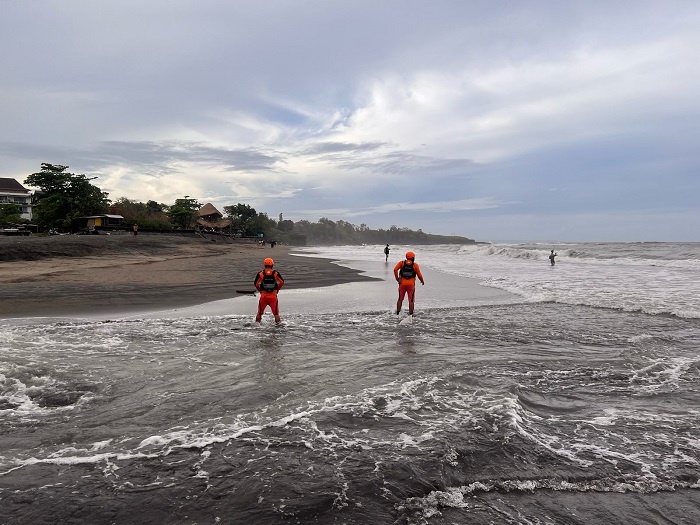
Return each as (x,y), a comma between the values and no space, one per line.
(495,119)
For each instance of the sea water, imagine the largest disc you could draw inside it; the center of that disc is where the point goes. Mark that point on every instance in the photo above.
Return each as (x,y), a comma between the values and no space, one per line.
(521,393)
(654,278)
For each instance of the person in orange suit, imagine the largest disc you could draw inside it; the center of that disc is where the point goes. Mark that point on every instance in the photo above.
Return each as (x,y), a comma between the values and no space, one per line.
(405,273)
(268,282)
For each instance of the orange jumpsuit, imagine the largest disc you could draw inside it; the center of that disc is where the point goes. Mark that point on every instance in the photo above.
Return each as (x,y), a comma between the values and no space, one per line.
(268,294)
(407,285)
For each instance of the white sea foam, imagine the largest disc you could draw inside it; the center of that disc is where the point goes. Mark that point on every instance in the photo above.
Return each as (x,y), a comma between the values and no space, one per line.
(454,497)
(658,278)
(639,338)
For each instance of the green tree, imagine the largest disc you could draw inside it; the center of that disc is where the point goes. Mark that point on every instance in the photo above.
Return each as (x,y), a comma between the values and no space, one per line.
(242,216)
(261,223)
(132,211)
(64,196)
(10,214)
(285,225)
(242,212)
(154,208)
(326,231)
(148,215)
(184,213)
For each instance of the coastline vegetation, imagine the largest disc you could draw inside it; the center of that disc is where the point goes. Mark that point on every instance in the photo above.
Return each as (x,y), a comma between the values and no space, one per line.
(63,197)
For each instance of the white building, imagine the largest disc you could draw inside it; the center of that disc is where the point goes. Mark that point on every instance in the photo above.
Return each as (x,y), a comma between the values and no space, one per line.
(12,192)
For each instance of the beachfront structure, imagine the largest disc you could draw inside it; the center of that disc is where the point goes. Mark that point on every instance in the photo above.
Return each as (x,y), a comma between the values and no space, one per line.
(212,219)
(100,221)
(12,192)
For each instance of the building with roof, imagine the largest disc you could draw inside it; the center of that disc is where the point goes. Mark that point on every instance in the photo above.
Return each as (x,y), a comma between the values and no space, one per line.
(12,192)
(212,219)
(90,223)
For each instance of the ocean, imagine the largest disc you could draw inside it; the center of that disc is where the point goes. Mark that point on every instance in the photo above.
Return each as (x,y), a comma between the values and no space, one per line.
(520,393)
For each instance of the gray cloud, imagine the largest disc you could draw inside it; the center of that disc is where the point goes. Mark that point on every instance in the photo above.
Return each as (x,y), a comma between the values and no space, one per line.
(357,106)
(325,148)
(398,163)
(149,156)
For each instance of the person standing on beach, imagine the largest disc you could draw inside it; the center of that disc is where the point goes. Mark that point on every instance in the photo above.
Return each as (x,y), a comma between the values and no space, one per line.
(268,282)
(552,255)
(386,252)
(405,273)
(136,230)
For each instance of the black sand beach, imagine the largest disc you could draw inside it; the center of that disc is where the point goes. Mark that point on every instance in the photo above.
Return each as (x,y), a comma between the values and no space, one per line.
(65,275)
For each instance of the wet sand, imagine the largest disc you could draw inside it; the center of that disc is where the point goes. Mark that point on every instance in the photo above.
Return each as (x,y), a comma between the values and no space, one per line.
(78,275)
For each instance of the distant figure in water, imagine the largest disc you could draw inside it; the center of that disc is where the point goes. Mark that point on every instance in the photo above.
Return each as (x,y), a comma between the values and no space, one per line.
(136,230)
(386,252)
(552,255)
(268,282)
(405,273)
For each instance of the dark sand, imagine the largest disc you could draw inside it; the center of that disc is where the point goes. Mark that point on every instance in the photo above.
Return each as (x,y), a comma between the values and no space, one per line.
(97,274)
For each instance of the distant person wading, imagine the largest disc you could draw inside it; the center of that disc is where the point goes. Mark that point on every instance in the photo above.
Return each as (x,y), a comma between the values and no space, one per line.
(386,253)
(552,255)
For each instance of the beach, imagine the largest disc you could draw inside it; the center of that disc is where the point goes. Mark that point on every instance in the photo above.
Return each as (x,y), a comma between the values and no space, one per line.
(518,393)
(103,274)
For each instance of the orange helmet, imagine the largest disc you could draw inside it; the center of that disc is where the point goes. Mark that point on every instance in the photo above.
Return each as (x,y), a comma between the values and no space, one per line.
(268,262)
(410,255)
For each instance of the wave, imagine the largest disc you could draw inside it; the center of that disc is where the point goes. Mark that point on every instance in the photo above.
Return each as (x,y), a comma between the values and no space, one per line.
(609,276)
(461,497)
(515,253)
(670,256)
(27,392)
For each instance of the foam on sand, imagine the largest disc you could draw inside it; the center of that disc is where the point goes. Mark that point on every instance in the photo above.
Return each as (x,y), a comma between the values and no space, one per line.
(441,291)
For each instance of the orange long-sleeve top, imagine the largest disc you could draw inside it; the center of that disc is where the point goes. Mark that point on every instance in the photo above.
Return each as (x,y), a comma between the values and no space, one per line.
(403,280)
(258,282)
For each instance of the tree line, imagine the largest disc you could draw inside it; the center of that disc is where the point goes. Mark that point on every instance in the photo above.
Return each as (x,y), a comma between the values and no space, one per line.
(326,231)
(63,197)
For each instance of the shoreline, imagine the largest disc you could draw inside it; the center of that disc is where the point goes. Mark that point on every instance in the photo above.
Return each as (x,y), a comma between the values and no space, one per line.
(123,275)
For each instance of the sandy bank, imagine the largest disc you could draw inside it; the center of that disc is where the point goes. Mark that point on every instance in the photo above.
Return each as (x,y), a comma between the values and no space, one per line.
(73,275)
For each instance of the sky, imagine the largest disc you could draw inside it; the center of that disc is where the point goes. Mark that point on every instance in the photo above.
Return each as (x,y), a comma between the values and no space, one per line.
(495,120)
